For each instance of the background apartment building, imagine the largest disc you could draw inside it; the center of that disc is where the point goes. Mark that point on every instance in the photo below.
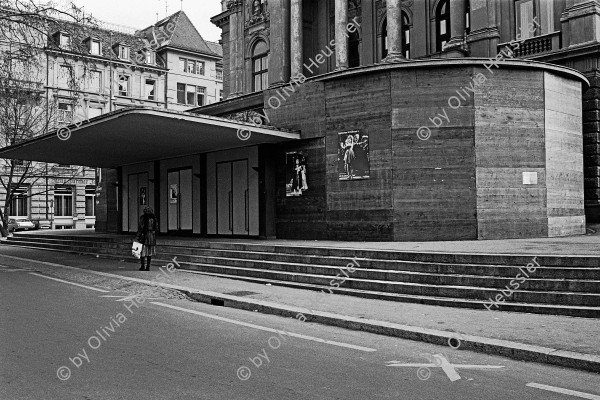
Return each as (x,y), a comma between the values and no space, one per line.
(88,71)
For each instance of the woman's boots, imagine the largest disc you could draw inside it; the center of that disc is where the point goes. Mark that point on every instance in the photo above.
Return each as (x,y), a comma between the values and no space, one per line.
(143,261)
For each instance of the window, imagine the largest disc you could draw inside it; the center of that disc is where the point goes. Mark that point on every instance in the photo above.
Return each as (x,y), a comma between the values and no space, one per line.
(65,75)
(18,204)
(442,24)
(65,113)
(201,93)
(150,58)
(405,35)
(534,18)
(65,41)
(190,95)
(90,201)
(95,47)
(95,81)
(63,201)
(123,52)
(260,66)
(354,50)
(525,15)
(150,89)
(384,40)
(181,93)
(468,18)
(191,66)
(546,16)
(199,67)
(220,95)
(123,85)
(219,73)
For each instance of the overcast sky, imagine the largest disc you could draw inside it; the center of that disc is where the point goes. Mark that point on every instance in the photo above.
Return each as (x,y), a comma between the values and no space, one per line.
(142,13)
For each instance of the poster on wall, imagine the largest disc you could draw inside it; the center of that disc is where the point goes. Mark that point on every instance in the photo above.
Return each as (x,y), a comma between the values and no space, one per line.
(143,196)
(173,193)
(295,174)
(353,156)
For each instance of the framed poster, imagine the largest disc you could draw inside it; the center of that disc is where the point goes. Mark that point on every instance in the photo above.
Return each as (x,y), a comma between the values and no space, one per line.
(353,156)
(143,196)
(173,193)
(295,174)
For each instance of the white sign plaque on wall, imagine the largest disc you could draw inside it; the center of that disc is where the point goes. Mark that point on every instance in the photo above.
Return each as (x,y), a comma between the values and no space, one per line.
(530,178)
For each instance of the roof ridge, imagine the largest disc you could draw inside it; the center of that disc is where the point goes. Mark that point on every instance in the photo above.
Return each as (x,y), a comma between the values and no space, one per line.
(160,22)
(195,29)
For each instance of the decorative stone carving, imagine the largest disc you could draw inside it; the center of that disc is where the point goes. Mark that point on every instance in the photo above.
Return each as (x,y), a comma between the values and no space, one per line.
(249,116)
(234,5)
(256,11)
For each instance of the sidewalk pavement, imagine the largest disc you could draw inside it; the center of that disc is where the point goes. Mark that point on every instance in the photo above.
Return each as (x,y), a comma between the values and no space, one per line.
(560,340)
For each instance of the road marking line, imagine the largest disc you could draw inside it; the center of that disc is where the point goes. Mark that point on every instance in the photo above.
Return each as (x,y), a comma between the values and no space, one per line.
(110,295)
(264,328)
(15,270)
(563,391)
(442,362)
(70,283)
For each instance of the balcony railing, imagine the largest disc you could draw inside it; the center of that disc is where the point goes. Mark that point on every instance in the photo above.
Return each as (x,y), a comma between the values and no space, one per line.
(536,45)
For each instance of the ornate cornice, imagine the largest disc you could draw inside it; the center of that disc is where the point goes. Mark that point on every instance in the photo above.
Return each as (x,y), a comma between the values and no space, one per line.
(235,5)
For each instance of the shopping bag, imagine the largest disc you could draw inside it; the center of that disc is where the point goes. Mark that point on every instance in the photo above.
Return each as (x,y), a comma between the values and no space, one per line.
(136,249)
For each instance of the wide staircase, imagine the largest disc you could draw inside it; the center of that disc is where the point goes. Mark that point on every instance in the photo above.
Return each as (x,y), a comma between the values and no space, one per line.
(562,285)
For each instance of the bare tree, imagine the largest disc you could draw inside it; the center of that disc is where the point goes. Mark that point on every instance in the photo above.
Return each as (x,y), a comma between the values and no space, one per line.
(27,109)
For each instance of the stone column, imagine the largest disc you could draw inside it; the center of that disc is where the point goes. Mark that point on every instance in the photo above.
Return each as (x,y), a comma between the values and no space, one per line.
(394,31)
(341,34)
(458,18)
(296,45)
(235,56)
(279,57)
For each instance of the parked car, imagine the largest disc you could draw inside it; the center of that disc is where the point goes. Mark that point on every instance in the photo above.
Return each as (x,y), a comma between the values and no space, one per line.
(42,224)
(20,224)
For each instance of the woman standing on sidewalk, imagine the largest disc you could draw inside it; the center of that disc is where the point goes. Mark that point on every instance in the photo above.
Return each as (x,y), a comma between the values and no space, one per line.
(146,235)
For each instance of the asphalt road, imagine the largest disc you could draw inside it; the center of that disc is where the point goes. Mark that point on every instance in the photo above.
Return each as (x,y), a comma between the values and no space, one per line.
(63,341)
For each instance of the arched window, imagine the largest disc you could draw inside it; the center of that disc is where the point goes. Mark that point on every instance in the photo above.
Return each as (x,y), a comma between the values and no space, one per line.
(405,37)
(442,24)
(354,50)
(260,66)
(384,40)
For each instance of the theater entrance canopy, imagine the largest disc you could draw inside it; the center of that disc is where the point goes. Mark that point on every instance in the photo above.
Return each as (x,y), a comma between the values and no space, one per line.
(137,135)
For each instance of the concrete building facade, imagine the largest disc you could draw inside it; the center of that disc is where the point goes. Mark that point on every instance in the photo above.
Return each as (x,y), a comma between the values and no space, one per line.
(561,32)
